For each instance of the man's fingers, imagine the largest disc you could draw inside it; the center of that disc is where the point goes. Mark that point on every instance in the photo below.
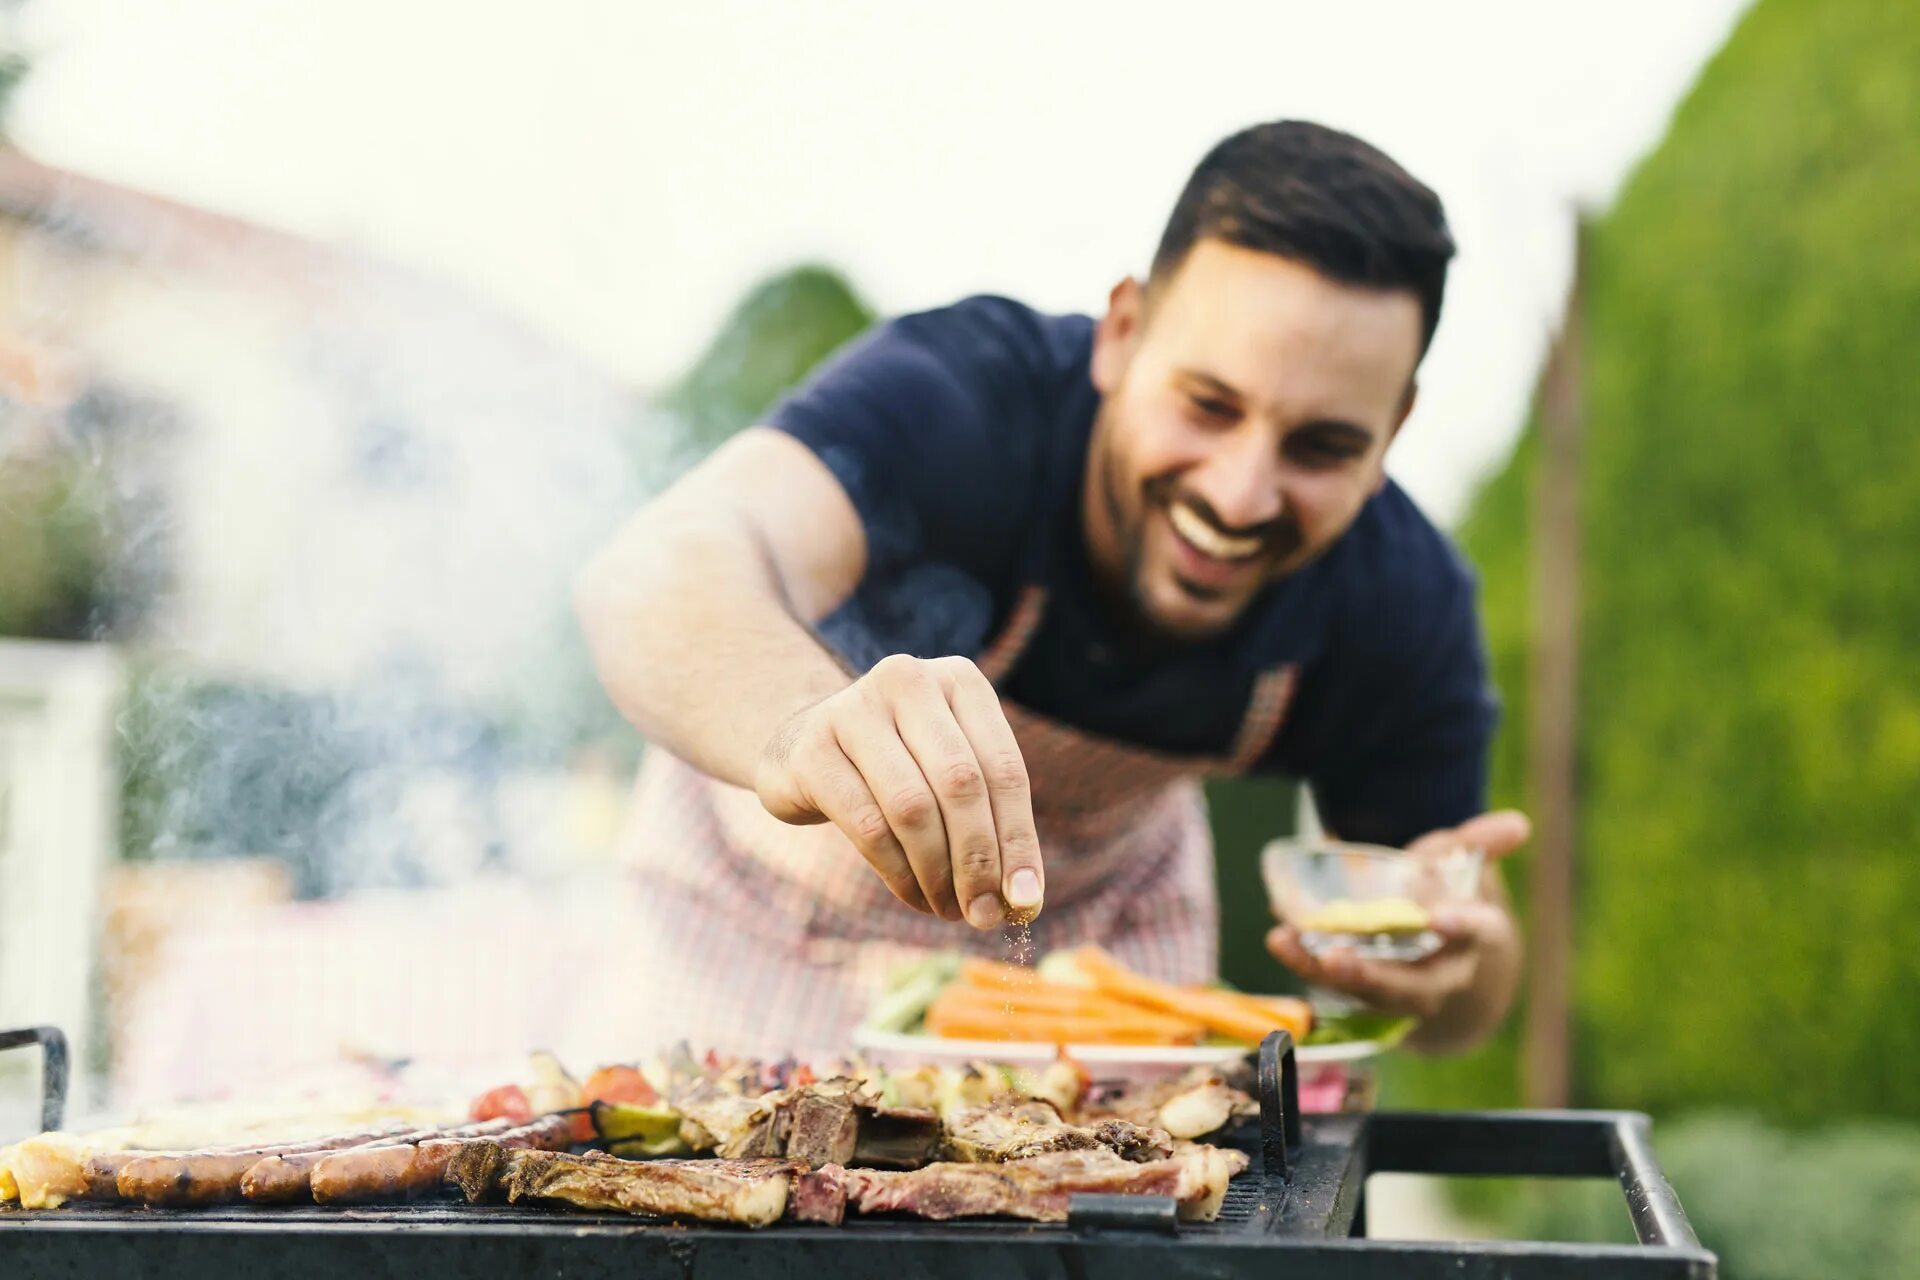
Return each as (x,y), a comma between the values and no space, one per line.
(1417,989)
(1468,922)
(977,709)
(917,764)
(1393,987)
(940,747)
(1497,834)
(837,791)
(905,799)
(1284,943)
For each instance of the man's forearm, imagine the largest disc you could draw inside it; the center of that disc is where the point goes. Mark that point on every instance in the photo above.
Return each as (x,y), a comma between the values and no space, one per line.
(696,643)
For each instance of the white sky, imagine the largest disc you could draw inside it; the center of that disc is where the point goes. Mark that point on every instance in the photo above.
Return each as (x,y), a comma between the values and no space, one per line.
(618,173)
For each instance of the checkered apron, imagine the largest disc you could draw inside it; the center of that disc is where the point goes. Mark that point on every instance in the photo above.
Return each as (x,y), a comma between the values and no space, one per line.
(757,936)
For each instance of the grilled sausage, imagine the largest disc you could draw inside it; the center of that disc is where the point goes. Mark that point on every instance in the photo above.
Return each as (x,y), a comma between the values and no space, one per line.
(401,1172)
(287,1178)
(191,1178)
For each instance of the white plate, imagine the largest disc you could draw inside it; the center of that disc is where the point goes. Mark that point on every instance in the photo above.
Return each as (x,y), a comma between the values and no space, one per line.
(896,1048)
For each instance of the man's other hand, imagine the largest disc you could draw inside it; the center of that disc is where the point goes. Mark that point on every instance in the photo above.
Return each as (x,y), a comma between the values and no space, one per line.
(1463,989)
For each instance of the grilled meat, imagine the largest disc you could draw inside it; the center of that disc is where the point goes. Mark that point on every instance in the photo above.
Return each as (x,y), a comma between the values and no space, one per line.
(824,1128)
(897,1137)
(45,1172)
(288,1178)
(1041,1187)
(820,1196)
(1013,1130)
(1193,1106)
(193,1178)
(732,1125)
(752,1193)
(828,1122)
(1206,1170)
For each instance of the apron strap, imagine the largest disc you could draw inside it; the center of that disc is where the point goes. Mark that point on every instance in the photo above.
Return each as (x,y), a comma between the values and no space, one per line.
(998,658)
(1266,712)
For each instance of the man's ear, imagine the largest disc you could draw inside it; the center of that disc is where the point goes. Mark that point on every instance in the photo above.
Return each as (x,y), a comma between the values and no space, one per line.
(1117,335)
(1393,432)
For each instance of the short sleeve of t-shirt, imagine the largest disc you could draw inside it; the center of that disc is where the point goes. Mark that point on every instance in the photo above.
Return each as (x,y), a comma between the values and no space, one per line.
(934,425)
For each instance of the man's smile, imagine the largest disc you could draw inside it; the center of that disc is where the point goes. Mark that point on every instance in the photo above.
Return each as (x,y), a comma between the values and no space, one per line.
(1197,530)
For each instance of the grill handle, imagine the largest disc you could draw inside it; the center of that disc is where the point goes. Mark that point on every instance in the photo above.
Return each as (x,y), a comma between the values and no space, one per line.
(53,1069)
(1537,1144)
(1277,1086)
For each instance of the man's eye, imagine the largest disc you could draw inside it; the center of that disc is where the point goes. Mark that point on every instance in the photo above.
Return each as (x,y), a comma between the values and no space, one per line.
(1208,407)
(1324,453)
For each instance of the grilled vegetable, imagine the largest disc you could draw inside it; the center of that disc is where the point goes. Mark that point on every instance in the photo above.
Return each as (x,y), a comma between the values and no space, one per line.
(549,1087)
(911,990)
(508,1102)
(632,1130)
(619,1084)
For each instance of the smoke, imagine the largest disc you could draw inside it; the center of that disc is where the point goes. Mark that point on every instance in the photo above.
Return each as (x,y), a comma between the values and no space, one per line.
(350,522)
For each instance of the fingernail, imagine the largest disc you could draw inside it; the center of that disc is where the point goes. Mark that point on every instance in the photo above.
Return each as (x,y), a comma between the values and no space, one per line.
(1023,890)
(984,912)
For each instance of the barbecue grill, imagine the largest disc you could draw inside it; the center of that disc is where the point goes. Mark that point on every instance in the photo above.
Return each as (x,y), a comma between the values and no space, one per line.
(1298,1211)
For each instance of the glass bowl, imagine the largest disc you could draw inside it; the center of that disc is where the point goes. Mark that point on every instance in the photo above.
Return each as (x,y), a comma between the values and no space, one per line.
(1370,899)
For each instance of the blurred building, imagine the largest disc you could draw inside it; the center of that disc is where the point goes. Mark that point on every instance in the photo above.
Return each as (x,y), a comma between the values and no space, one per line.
(349,491)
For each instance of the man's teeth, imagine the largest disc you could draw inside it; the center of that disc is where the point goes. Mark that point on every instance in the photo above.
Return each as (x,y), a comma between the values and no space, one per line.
(1209,539)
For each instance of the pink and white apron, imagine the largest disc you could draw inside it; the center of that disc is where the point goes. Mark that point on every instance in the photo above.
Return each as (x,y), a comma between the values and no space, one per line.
(755,936)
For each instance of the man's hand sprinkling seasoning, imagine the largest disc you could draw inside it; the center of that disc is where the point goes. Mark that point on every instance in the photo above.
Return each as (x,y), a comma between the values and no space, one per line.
(916,763)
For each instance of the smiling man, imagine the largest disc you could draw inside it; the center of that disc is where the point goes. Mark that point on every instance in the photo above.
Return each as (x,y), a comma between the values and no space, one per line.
(959,631)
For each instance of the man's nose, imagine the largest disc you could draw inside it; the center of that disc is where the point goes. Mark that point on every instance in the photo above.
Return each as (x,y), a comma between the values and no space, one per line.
(1242,483)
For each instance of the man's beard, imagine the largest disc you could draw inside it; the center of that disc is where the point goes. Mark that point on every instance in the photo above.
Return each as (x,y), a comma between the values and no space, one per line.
(1129,599)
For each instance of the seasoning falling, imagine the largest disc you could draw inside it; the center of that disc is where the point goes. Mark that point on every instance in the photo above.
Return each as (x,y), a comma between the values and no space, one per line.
(1020,951)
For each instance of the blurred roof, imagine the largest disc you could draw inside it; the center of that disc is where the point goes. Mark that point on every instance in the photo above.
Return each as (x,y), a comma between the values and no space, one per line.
(121,221)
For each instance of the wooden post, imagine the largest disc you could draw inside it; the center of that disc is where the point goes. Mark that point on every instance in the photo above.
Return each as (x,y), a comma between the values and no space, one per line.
(1553,730)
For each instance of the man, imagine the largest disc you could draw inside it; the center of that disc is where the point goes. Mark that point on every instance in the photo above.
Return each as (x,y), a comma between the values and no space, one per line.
(966,621)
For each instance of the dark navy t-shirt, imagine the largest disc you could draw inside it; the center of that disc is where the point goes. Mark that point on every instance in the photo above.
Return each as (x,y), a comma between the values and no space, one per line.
(961,434)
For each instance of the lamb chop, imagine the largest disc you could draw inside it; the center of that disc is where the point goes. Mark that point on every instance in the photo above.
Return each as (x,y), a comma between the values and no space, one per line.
(732,1125)
(1014,1129)
(896,1137)
(1041,1187)
(1192,1106)
(752,1193)
(828,1122)
(756,1193)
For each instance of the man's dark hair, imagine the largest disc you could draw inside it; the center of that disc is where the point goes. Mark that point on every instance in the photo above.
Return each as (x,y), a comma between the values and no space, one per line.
(1320,197)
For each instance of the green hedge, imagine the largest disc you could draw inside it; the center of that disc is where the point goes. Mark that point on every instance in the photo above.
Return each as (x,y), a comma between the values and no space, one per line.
(787,324)
(56,548)
(1750,731)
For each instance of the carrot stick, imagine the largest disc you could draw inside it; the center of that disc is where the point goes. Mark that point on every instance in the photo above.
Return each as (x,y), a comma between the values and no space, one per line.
(1203,1005)
(1070,1003)
(1116,1014)
(1289,1013)
(970,1025)
(958,1014)
(980,972)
